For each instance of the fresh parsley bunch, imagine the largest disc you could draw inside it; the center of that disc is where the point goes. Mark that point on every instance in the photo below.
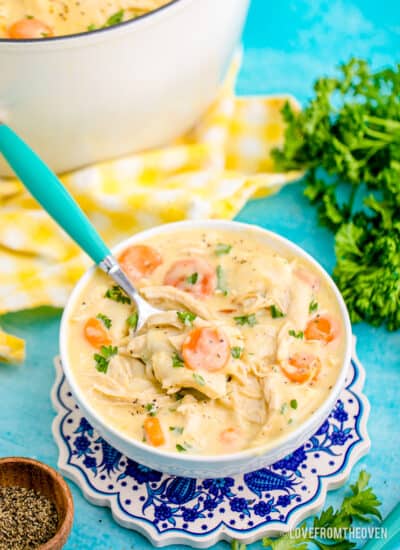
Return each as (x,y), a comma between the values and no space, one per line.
(361,504)
(351,130)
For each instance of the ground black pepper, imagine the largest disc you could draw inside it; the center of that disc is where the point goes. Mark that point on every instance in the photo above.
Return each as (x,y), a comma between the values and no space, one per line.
(27,519)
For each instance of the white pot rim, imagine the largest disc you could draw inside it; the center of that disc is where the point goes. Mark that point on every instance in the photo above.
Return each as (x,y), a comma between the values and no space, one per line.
(93,36)
(285,441)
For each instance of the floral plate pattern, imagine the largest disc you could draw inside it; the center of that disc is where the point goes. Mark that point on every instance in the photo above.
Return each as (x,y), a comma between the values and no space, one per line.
(199,512)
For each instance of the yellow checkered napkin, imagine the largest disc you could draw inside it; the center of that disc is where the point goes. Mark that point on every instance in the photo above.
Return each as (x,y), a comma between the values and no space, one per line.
(209,173)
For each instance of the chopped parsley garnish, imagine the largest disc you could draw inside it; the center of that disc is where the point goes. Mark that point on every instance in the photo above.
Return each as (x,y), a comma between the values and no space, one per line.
(193,278)
(151,409)
(199,379)
(250,320)
(117,294)
(181,448)
(313,306)
(177,361)
(222,249)
(360,504)
(177,430)
(106,320)
(29,17)
(290,421)
(296,334)
(236,352)
(101,362)
(179,395)
(347,139)
(293,403)
(221,281)
(283,408)
(186,317)
(114,19)
(103,358)
(133,320)
(276,312)
(91,27)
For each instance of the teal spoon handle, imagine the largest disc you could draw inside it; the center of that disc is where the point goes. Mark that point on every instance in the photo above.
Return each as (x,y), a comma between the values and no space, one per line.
(47,189)
(392,526)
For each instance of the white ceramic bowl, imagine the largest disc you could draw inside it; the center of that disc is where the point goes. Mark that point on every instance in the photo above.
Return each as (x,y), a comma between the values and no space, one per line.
(139,84)
(210,466)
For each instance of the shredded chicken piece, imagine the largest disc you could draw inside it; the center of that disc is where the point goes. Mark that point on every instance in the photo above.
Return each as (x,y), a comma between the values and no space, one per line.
(137,346)
(170,295)
(253,301)
(167,318)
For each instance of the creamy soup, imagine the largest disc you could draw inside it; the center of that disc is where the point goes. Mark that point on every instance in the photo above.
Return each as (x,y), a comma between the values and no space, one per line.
(248,346)
(43,18)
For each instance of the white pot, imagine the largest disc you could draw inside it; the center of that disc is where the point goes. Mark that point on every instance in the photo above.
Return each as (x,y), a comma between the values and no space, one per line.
(209,466)
(84,98)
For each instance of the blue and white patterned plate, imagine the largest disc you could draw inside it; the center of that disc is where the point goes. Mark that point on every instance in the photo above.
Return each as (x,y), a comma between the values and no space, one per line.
(200,512)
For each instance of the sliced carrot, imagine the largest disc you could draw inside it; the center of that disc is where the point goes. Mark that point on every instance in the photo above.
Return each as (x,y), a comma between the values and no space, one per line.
(153,431)
(194,275)
(95,333)
(320,328)
(230,436)
(29,28)
(302,368)
(139,261)
(206,349)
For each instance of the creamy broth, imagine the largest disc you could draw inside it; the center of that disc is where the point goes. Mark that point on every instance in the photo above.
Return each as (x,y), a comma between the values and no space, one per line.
(41,18)
(249,346)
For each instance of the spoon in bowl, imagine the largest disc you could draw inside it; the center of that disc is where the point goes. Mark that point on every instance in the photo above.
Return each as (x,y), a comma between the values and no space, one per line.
(47,189)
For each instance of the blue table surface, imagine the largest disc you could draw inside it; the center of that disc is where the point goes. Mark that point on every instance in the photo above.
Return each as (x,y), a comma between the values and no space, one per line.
(287,44)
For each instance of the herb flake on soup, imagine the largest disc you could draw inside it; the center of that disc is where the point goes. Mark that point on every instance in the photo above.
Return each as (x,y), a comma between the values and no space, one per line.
(248,346)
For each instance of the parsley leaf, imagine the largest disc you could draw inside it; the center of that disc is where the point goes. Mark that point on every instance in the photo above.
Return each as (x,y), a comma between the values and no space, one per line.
(186,317)
(222,249)
(313,306)
(250,320)
(151,409)
(293,403)
(101,362)
(177,430)
(177,361)
(179,395)
(221,281)
(102,359)
(181,448)
(117,294)
(296,334)
(133,320)
(114,19)
(109,351)
(106,320)
(236,352)
(276,312)
(199,379)
(362,502)
(193,278)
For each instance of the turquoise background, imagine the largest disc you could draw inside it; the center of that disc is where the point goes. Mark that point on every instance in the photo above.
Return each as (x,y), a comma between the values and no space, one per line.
(287,44)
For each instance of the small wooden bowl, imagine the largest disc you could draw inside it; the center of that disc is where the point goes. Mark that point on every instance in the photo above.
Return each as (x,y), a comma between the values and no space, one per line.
(31,474)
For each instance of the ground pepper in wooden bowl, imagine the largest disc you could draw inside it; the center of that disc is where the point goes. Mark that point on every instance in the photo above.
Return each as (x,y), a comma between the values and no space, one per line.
(36,507)
(27,518)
